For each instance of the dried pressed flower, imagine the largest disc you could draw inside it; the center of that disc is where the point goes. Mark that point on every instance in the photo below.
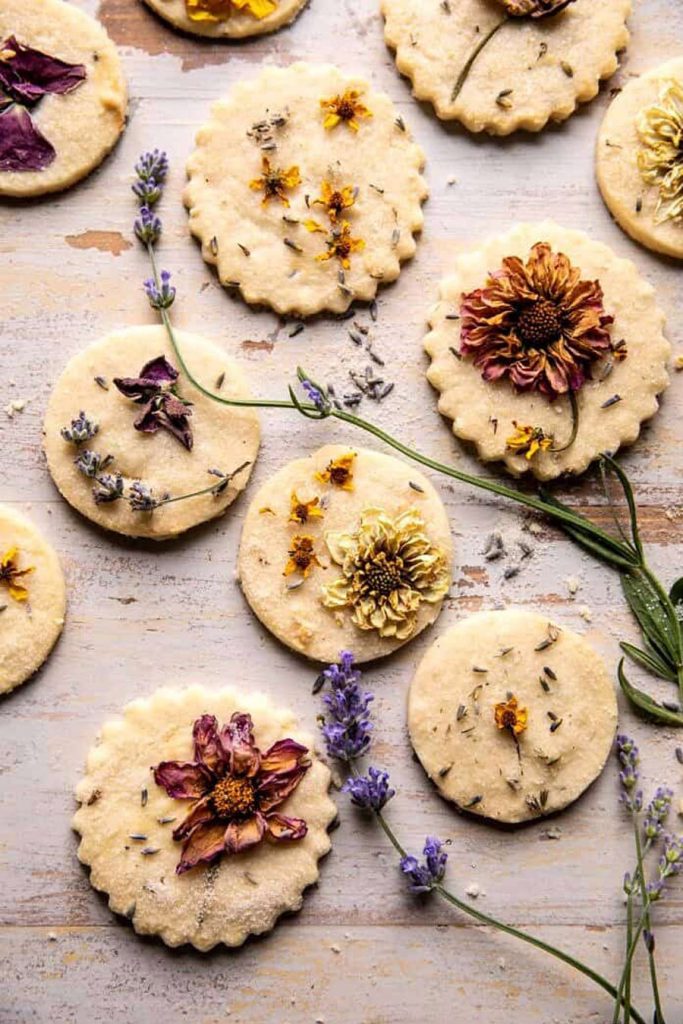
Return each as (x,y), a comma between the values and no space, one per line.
(236,789)
(155,389)
(302,556)
(275,182)
(528,441)
(534,8)
(341,245)
(335,200)
(301,511)
(389,568)
(510,716)
(339,472)
(660,158)
(11,574)
(219,10)
(344,109)
(539,324)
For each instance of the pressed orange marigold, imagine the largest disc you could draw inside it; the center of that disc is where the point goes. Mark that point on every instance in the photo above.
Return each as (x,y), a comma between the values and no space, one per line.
(344,109)
(275,182)
(10,574)
(302,557)
(537,323)
(528,441)
(335,200)
(339,472)
(510,716)
(301,511)
(219,10)
(341,245)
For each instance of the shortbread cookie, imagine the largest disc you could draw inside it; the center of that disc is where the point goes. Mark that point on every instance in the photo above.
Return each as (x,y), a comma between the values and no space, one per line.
(305,189)
(640,159)
(127,435)
(228,19)
(63,96)
(532,70)
(32,599)
(530,318)
(511,717)
(239,839)
(347,549)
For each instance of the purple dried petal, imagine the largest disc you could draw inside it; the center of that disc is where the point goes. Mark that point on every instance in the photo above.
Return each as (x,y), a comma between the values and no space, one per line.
(208,748)
(22,146)
(183,780)
(30,74)
(281,827)
(159,371)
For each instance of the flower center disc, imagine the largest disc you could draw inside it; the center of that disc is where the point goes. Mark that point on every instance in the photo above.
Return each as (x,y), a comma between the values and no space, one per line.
(233,798)
(383,577)
(540,324)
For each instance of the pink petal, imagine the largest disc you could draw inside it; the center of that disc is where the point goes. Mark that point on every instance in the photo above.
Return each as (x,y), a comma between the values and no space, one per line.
(205,844)
(280,827)
(238,741)
(22,146)
(200,814)
(283,756)
(183,780)
(242,835)
(274,789)
(208,748)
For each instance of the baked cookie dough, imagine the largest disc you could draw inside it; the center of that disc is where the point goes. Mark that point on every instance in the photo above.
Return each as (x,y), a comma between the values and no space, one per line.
(225,19)
(87,405)
(305,190)
(618,396)
(347,549)
(638,146)
(511,717)
(80,119)
(533,70)
(126,820)
(32,599)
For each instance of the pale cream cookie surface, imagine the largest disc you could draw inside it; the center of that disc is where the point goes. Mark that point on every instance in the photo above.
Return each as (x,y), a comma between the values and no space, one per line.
(266,249)
(239,24)
(225,438)
(632,201)
(557,680)
(292,606)
(612,406)
(123,815)
(532,71)
(32,618)
(82,125)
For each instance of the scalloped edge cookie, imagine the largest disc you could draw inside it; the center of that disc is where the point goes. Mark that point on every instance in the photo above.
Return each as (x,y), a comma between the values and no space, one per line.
(238,26)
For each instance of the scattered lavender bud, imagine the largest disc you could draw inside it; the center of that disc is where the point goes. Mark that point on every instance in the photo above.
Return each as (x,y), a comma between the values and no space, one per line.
(160,298)
(82,429)
(109,488)
(370,792)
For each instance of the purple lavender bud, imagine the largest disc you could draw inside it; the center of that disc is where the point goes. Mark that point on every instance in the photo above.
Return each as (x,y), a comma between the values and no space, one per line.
(315,395)
(148,192)
(160,298)
(147,226)
(649,940)
(152,164)
(109,488)
(425,874)
(628,883)
(371,792)
(82,429)
(346,728)
(140,497)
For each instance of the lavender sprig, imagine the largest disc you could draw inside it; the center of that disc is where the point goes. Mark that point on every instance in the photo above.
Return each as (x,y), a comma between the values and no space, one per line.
(161,294)
(347,727)
(425,874)
(370,792)
(82,429)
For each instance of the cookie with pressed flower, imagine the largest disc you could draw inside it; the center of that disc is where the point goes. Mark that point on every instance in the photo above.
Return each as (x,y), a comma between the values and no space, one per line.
(32,599)
(135,447)
(511,717)
(305,189)
(346,549)
(547,350)
(63,96)
(640,158)
(503,65)
(228,19)
(203,815)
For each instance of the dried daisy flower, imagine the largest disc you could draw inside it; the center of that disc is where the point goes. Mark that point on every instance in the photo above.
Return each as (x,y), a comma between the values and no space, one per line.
(275,182)
(389,567)
(339,472)
(528,441)
(344,109)
(302,556)
(336,200)
(219,10)
(539,324)
(341,245)
(11,574)
(301,511)
(510,716)
(660,158)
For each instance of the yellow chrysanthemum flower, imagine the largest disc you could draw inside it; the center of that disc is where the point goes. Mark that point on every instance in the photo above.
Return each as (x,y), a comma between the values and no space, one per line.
(275,182)
(528,441)
(301,511)
(341,245)
(302,557)
(660,158)
(219,10)
(339,472)
(510,716)
(10,574)
(344,109)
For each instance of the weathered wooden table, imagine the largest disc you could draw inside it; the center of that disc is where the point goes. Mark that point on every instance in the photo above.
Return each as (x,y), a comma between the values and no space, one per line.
(362,950)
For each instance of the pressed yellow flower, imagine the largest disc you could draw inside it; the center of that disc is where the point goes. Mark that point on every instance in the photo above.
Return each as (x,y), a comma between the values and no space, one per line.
(219,10)
(660,158)
(510,716)
(341,245)
(528,441)
(345,108)
(10,574)
(339,472)
(301,511)
(275,182)
(389,567)
(302,556)
(336,200)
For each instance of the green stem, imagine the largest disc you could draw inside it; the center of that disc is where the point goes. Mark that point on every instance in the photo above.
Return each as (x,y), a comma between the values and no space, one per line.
(629,939)
(574,405)
(457,88)
(213,488)
(647,922)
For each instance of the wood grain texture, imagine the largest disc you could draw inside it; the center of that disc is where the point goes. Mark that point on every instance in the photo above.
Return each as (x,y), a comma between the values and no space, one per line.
(361,951)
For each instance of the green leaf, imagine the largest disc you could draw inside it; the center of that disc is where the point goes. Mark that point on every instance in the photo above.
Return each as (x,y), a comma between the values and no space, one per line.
(630,500)
(645,703)
(610,550)
(653,618)
(649,661)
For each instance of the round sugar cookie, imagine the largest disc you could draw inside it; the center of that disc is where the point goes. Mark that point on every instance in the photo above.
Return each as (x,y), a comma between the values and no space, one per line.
(53,137)
(511,717)
(125,464)
(32,599)
(305,189)
(127,821)
(625,380)
(346,549)
(531,71)
(641,128)
(223,19)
